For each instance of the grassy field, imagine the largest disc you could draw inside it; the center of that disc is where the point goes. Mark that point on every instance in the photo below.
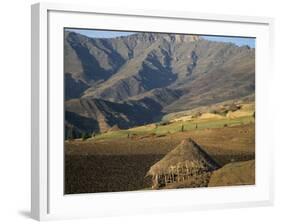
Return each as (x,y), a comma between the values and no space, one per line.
(116,161)
(159,130)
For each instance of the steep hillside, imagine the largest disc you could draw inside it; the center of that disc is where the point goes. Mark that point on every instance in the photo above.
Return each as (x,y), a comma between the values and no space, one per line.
(135,79)
(107,114)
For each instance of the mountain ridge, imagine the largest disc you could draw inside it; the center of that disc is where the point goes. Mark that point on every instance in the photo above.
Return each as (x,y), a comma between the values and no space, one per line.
(169,72)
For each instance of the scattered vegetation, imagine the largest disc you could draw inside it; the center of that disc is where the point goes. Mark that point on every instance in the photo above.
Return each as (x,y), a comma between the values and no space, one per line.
(174,127)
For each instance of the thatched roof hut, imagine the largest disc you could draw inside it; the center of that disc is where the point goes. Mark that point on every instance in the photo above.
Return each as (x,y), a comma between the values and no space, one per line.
(186,160)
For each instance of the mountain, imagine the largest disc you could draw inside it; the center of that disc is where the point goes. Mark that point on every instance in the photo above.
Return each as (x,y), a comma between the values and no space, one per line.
(136,79)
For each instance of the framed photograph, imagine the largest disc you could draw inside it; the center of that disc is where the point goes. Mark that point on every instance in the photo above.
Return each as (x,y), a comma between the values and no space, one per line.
(148,111)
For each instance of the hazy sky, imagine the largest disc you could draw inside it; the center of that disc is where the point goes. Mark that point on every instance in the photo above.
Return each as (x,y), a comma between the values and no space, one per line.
(239,41)
(100,33)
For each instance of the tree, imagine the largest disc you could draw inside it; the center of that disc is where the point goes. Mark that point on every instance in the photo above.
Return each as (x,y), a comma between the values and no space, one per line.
(85,136)
(71,134)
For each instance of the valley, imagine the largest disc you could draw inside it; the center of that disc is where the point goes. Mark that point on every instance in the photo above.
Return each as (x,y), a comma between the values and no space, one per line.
(157,111)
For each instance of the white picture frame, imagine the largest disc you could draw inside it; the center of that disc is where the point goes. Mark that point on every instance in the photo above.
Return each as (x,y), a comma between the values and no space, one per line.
(48,201)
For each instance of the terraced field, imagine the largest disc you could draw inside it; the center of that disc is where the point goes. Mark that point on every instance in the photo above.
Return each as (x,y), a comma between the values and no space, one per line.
(174,127)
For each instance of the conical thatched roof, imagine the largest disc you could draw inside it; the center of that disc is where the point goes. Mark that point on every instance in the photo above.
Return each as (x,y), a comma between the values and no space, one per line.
(189,154)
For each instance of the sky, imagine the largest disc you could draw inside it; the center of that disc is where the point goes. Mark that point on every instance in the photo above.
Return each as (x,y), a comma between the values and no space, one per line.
(100,33)
(239,41)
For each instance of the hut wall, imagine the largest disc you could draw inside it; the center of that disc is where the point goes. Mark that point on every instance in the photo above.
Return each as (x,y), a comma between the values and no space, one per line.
(179,173)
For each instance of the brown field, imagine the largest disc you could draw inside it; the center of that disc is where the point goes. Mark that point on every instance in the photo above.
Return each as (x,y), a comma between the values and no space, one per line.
(121,164)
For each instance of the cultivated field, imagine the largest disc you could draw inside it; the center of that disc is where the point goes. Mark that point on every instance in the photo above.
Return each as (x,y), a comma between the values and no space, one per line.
(119,160)
(137,99)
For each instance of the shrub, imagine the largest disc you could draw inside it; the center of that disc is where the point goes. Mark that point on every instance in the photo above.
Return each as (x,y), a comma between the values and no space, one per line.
(85,136)
(214,111)
(163,123)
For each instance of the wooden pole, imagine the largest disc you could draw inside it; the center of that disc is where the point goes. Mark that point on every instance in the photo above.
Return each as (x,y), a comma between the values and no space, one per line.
(157,181)
(178,173)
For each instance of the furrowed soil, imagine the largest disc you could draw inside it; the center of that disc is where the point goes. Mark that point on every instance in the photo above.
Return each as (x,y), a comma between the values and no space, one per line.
(107,173)
(110,165)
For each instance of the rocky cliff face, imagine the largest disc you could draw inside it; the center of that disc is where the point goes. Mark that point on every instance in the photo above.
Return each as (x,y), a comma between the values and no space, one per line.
(112,80)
